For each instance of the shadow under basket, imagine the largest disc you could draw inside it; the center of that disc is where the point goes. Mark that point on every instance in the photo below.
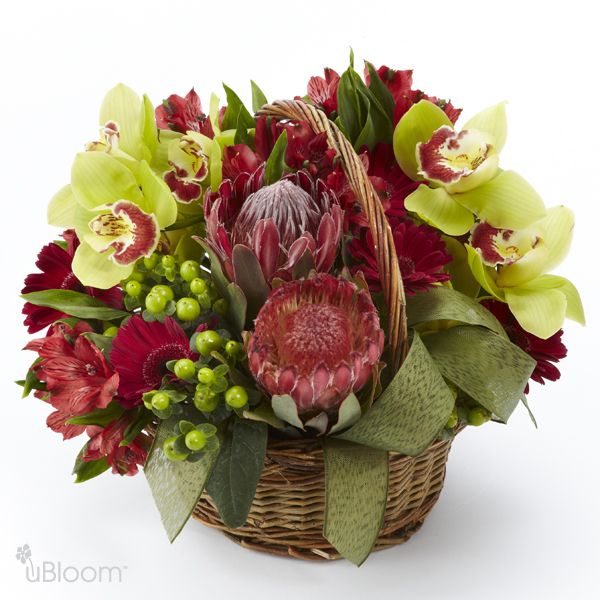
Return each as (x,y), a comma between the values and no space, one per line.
(286,517)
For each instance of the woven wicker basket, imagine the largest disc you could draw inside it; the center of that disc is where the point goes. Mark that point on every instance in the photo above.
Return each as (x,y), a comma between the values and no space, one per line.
(286,517)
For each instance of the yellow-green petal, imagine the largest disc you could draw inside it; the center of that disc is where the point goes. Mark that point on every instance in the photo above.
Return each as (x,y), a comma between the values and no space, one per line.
(61,210)
(507,202)
(483,274)
(149,130)
(417,125)
(158,197)
(438,208)
(491,120)
(557,231)
(462,278)
(98,270)
(575,310)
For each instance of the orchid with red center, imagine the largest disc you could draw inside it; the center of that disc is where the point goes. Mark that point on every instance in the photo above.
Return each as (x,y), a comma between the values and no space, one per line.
(77,376)
(140,352)
(183,115)
(189,169)
(54,262)
(421,252)
(544,352)
(317,340)
(279,223)
(105,443)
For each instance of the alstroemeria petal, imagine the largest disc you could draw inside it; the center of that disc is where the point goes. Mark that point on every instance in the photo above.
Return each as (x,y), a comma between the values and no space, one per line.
(575,310)
(416,126)
(98,179)
(507,201)
(484,275)
(438,208)
(97,270)
(492,121)
(158,199)
(61,210)
(538,311)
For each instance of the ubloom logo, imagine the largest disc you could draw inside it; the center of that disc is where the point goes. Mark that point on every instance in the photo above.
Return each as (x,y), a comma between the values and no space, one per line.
(56,572)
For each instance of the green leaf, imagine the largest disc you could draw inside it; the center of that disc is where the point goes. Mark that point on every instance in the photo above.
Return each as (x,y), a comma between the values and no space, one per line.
(86,470)
(285,409)
(258,98)
(275,165)
(531,415)
(411,411)
(250,278)
(104,342)
(236,111)
(442,303)
(417,125)
(31,381)
(138,423)
(75,304)
(486,366)
(352,112)
(233,481)
(356,486)
(319,423)
(241,134)
(348,414)
(461,276)
(100,417)
(176,485)
(264,413)
(381,92)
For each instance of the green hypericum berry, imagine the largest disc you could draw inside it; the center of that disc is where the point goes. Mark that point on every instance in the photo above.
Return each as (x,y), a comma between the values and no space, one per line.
(207,341)
(133,288)
(168,261)
(221,307)
(205,300)
(189,270)
(169,449)
(155,303)
(195,440)
(188,309)
(234,349)
(185,368)
(205,400)
(161,401)
(453,419)
(236,396)
(198,286)
(137,276)
(164,291)
(478,416)
(206,375)
(151,262)
(111,331)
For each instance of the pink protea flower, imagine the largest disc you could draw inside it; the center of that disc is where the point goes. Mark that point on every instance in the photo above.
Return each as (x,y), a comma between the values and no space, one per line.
(316,340)
(279,223)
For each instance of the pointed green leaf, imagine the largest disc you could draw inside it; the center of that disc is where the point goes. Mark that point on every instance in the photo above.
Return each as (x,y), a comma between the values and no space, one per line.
(250,278)
(349,413)
(485,365)
(264,413)
(356,487)
(461,276)
(417,125)
(103,342)
(285,409)
(235,110)
(492,120)
(319,423)
(232,483)
(438,208)
(380,91)
(86,470)
(351,110)
(61,210)
(258,98)
(411,411)
(275,165)
(100,417)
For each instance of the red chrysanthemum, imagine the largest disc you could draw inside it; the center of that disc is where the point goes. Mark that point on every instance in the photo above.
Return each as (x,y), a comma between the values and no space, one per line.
(140,352)
(54,263)
(316,340)
(421,252)
(106,443)
(544,352)
(183,114)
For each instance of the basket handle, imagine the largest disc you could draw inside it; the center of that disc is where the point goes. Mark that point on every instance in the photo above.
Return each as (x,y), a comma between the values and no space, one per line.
(387,260)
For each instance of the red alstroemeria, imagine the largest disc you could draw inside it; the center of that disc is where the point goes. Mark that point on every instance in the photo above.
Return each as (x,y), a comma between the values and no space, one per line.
(323,91)
(54,263)
(183,114)
(544,352)
(421,252)
(140,352)
(105,443)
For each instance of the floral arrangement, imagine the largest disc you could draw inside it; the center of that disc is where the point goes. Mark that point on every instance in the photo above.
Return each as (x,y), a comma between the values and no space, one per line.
(217,286)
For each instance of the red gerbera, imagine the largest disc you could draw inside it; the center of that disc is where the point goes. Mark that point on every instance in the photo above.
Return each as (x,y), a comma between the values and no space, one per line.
(57,274)
(183,114)
(421,253)
(140,352)
(544,352)
(105,443)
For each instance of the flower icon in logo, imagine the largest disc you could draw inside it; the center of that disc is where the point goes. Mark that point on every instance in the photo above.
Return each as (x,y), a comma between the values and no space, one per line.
(23,553)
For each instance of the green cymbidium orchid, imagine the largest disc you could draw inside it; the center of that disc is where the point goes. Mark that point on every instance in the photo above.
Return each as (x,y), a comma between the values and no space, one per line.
(511,265)
(461,170)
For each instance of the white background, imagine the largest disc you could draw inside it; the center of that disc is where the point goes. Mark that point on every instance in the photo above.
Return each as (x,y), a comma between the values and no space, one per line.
(519,514)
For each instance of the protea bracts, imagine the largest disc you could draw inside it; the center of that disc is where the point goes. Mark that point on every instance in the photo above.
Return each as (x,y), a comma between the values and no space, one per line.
(295,219)
(316,340)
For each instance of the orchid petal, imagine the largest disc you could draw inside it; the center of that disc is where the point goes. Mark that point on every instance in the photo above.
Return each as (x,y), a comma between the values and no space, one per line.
(157,195)
(97,270)
(61,210)
(575,310)
(417,125)
(439,208)
(526,268)
(160,157)
(492,121)
(484,275)
(506,202)
(149,129)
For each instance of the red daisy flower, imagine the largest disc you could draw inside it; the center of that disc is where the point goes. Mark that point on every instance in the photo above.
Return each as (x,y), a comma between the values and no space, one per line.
(57,274)
(140,352)
(544,352)
(183,114)
(105,443)
(421,253)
